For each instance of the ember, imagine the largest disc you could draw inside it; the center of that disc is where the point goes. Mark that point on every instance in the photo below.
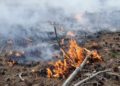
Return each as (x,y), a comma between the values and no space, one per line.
(71,34)
(74,58)
(15,57)
(11,63)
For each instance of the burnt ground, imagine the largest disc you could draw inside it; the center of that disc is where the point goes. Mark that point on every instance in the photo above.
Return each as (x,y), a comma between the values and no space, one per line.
(34,74)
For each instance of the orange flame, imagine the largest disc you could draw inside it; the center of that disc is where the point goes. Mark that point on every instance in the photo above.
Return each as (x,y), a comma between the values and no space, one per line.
(49,73)
(74,57)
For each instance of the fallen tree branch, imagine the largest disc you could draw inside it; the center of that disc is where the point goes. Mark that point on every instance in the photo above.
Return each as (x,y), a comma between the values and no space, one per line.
(77,70)
(92,76)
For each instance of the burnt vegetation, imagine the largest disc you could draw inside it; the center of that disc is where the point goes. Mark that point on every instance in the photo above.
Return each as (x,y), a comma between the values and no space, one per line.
(103,71)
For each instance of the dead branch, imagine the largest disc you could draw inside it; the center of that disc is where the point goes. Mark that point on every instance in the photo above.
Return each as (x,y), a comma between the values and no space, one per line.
(60,46)
(92,76)
(114,74)
(77,70)
(58,41)
(20,76)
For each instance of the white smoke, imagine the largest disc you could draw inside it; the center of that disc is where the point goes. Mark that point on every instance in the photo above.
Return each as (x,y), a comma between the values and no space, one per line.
(31,12)
(30,18)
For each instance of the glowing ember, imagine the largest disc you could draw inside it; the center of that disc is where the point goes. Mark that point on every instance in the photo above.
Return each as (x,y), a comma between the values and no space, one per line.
(75,56)
(14,57)
(16,53)
(70,33)
(79,17)
(11,63)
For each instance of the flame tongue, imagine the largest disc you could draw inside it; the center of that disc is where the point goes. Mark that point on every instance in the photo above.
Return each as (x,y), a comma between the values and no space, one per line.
(74,58)
(49,73)
(75,53)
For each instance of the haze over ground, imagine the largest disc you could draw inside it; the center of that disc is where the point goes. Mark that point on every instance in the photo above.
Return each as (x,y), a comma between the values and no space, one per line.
(20,19)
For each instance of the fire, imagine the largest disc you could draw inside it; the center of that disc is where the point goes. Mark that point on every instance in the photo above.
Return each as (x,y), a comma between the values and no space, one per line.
(71,34)
(16,53)
(49,73)
(79,17)
(11,63)
(75,53)
(72,59)
(96,56)
(12,57)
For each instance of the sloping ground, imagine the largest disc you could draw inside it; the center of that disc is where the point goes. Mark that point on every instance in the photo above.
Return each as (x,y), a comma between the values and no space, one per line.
(34,74)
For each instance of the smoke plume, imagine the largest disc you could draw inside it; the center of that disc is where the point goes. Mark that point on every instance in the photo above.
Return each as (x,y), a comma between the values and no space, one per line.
(21,19)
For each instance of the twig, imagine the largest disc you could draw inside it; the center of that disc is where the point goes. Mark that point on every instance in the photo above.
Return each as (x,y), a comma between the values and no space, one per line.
(77,70)
(92,76)
(58,41)
(62,49)
(114,74)
(20,76)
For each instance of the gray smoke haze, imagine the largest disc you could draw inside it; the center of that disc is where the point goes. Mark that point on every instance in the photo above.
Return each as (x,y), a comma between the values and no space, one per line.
(20,19)
(31,13)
